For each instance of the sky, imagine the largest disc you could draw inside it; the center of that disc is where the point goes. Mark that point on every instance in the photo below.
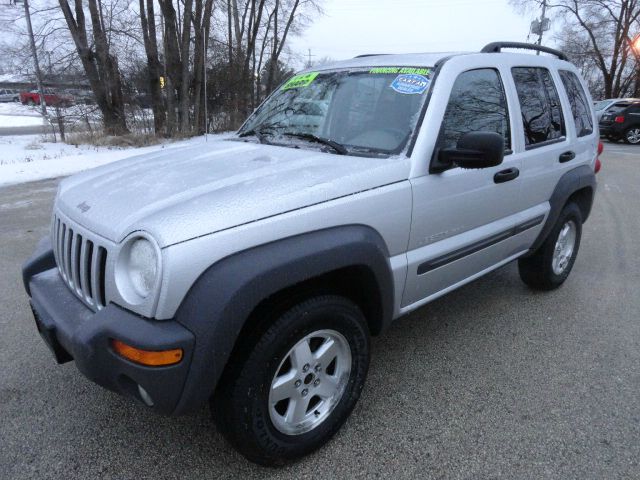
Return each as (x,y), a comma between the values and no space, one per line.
(353,27)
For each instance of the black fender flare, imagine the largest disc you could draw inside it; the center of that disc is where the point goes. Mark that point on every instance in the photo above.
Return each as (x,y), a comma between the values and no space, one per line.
(579,178)
(221,300)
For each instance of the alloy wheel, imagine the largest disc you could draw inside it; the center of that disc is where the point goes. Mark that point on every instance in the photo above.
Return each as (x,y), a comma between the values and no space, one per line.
(309,382)
(563,250)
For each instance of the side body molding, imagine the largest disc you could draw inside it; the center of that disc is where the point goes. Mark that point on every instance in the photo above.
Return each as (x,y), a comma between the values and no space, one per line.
(582,179)
(220,301)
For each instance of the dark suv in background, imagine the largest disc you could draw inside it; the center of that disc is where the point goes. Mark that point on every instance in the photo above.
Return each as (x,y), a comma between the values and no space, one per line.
(622,122)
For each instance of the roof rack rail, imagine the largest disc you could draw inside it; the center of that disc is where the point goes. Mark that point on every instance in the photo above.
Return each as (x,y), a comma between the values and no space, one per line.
(496,47)
(371,55)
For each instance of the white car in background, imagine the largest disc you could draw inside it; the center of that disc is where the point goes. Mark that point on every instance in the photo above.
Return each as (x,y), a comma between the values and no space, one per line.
(9,95)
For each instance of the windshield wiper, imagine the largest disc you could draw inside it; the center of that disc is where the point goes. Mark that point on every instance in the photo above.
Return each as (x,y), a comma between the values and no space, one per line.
(259,134)
(337,147)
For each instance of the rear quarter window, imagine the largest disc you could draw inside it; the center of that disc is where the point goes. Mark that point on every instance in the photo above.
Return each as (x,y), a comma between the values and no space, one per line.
(579,104)
(540,105)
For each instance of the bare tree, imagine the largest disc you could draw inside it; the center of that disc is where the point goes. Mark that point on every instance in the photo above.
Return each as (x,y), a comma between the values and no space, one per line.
(100,65)
(36,64)
(148,24)
(599,33)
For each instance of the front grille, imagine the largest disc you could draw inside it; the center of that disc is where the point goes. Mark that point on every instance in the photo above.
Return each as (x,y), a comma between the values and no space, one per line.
(81,263)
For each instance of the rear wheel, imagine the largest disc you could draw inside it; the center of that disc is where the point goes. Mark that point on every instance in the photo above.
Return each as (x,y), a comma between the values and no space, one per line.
(551,264)
(632,135)
(296,384)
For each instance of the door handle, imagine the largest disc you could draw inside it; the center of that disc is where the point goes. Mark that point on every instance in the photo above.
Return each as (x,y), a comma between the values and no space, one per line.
(567,156)
(506,175)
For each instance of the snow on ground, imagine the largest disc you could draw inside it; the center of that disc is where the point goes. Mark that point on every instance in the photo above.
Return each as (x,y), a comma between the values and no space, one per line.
(16,108)
(26,158)
(13,114)
(20,121)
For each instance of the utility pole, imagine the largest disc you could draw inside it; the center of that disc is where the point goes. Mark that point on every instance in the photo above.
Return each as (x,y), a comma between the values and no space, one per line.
(543,19)
(309,58)
(538,27)
(34,53)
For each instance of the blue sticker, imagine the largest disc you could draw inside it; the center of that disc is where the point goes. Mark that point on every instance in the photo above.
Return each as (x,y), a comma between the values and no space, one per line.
(410,84)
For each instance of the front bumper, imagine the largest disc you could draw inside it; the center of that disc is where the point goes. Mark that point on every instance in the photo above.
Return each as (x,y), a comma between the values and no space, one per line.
(75,332)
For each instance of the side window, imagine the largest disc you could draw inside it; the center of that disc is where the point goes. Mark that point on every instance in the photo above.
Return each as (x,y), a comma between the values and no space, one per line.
(540,105)
(477,104)
(579,103)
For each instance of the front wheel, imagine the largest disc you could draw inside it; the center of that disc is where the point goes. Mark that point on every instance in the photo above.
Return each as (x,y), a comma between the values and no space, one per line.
(551,264)
(632,135)
(297,383)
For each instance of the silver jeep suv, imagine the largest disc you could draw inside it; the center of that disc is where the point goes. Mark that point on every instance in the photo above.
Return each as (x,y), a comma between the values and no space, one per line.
(250,273)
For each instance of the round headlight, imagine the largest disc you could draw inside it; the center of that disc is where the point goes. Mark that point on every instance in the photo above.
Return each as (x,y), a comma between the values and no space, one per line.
(142,266)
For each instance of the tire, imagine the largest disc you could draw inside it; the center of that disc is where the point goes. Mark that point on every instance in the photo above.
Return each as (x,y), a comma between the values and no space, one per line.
(632,136)
(245,406)
(544,270)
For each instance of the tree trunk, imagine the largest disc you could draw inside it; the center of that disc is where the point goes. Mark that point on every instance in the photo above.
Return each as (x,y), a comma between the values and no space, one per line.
(100,66)
(278,45)
(185,74)
(147,20)
(202,23)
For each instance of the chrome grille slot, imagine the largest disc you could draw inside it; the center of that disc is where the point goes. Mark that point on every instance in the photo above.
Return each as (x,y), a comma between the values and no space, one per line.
(81,263)
(100,275)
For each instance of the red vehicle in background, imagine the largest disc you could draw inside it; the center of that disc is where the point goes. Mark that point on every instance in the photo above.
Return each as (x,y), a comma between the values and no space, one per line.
(52,98)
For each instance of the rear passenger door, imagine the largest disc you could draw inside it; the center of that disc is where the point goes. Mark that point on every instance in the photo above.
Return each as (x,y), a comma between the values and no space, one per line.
(548,151)
(580,120)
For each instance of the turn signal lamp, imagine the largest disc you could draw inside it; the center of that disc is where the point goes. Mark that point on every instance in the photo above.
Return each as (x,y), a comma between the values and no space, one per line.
(152,358)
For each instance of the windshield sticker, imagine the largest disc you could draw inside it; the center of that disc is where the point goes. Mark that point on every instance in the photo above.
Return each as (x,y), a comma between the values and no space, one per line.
(401,70)
(300,81)
(410,84)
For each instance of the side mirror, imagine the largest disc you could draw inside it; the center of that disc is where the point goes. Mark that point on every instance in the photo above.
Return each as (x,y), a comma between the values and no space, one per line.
(474,150)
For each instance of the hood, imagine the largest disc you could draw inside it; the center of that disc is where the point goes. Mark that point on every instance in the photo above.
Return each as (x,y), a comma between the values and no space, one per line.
(181,193)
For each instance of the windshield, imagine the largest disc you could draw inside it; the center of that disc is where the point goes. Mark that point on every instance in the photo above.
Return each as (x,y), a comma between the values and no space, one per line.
(364,111)
(602,104)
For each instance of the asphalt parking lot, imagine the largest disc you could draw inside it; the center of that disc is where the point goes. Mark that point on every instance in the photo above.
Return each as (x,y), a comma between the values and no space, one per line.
(491,381)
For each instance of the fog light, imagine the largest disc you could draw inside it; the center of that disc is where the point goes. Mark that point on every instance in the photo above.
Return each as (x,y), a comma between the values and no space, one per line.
(153,358)
(146,398)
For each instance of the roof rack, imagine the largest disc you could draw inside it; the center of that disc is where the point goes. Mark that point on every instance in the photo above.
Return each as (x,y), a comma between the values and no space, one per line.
(371,55)
(496,47)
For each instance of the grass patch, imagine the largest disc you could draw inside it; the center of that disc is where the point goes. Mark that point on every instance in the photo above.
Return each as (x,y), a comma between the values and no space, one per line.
(121,141)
